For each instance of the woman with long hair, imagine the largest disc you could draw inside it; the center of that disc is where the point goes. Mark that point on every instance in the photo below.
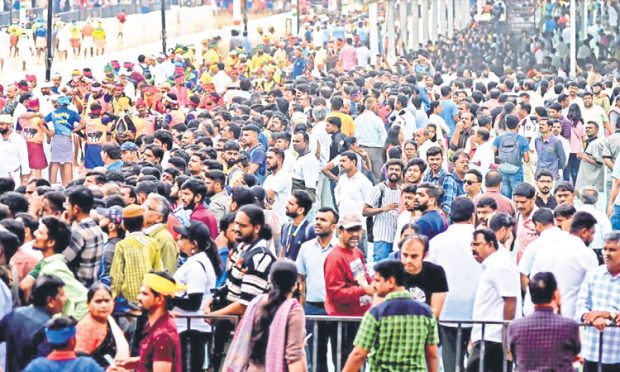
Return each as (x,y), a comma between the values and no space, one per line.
(575,141)
(98,334)
(395,138)
(275,325)
(199,273)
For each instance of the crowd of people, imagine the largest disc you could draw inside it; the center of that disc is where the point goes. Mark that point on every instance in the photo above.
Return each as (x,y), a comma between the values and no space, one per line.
(269,182)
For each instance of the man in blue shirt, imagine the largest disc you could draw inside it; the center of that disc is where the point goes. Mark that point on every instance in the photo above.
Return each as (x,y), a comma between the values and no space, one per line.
(23,328)
(426,201)
(512,150)
(299,65)
(449,110)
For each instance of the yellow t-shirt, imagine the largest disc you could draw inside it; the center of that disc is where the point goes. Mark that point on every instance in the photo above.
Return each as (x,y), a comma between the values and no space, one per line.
(96,132)
(348,127)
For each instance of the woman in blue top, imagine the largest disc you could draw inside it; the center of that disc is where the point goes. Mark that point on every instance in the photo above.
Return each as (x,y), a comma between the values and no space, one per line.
(66,122)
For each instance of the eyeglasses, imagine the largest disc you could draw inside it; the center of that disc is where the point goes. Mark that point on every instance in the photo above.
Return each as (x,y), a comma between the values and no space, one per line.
(470,182)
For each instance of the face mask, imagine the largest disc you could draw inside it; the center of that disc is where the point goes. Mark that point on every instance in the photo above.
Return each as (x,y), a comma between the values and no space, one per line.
(4,130)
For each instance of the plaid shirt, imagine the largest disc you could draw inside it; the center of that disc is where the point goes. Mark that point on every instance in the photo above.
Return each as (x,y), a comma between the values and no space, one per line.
(84,252)
(600,292)
(397,333)
(544,341)
(447,183)
(134,257)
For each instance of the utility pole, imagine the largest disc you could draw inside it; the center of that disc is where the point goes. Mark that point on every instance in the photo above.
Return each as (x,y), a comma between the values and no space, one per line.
(245,15)
(573,39)
(163,27)
(50,46)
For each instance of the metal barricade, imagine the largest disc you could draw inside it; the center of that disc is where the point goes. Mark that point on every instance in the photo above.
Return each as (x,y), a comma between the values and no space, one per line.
(340,320)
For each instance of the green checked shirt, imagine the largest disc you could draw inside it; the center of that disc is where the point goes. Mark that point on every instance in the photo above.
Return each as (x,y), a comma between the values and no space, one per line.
(396,332)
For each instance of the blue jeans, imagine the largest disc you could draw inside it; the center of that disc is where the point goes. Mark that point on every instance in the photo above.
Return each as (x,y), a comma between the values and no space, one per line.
(615,218)
(381,251)
(326,331)
(509,181)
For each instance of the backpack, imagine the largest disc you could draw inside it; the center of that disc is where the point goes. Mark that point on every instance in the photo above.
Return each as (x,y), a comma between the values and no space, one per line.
(509,154)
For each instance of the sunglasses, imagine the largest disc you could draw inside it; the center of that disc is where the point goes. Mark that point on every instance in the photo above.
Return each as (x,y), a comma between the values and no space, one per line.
(470,182)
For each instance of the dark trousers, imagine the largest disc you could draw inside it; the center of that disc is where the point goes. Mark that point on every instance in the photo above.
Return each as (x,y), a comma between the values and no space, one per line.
(326,332)
(349,330)
(593,367)
(196,342)
(221,338)
(571,170)
(493,357)
(447,336)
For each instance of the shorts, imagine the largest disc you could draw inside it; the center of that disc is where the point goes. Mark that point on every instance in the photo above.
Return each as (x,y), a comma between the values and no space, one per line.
(92,156)
(36,155)
(75,43)
(62,149)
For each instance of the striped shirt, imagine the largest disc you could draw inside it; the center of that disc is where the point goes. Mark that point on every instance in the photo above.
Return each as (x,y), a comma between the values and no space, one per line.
(397,332)
(600,292)
(384,227)
(84,252)
(248,272)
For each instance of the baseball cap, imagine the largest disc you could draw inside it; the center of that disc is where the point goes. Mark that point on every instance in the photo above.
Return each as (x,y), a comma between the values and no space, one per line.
(129,146)
(196,230)
(132,211)
(350,220)
(114,213)
(64,101)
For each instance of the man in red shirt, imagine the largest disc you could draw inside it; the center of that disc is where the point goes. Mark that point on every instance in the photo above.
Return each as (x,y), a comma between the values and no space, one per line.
(192,195)
(347,282)
(160,347)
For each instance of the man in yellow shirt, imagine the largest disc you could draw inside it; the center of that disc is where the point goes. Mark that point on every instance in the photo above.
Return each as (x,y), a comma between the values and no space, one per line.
(260,59)
(348,127)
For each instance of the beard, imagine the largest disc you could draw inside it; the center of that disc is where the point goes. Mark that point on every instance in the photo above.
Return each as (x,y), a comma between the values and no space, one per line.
(545,190)
(291,214)
(394,177)
(231,162)
(4,130)
(420,207)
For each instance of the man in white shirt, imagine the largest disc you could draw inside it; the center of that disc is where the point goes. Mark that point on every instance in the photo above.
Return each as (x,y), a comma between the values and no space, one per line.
(363,55)
(13,152)
(496,300)
(562,254)
(484,155)
(278,184)
(306,169)
(595,113)
(452,251)
(403,117)
(408,214)
(221,80)
(353,187)
(371,134)
(589,203)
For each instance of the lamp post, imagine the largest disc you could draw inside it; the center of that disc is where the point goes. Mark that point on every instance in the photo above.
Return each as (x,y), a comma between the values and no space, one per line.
(163,27)
(245,15)
(50,47)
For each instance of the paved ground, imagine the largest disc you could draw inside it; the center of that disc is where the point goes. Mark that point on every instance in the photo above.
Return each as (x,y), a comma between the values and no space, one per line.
(142,36)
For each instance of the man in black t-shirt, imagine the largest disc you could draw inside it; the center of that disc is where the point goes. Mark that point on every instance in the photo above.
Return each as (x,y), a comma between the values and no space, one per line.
(426,281)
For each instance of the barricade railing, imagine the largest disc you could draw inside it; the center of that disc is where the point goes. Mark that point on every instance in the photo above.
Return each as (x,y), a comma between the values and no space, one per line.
(340,320)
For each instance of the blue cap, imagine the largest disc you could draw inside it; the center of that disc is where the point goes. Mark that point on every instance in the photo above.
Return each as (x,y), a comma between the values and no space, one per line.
(114,213)
(60,336)
(64,101)
(129,146)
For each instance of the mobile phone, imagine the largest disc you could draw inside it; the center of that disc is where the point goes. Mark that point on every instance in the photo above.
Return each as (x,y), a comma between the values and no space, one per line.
(109,359)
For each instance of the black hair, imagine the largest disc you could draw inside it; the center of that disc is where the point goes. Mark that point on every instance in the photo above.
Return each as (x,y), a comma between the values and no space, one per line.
(500,220)
(216,176)
(197,187)
(524,189)
(56,200)
(6,184)
(487,201)
(391,269)
(543,216)
(133,224)
(544,173)
(15,201)
(434,151)
(257,218)
(226,221)
(112,149)
(489,237)
(9,242)
(58,231)
(82,197)
(164,137)
(44,287)
(582,220)
(564,186)
(145,187)
(282,278)
(476,173)
(416,161)
(242,196)
(29,221)
(461,209)
(94,288)
(303,199)
(542,287)
(15,227)
(565,210)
